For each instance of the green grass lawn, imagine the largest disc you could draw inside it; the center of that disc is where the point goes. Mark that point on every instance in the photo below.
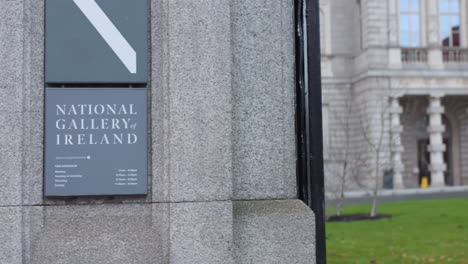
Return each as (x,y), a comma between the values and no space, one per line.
(419,232)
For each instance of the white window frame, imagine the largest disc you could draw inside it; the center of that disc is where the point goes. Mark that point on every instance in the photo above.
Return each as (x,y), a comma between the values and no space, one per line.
(421,19)
(325,27)
(460,14)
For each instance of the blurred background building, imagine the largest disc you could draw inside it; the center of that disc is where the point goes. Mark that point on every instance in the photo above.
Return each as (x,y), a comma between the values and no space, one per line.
(395,93)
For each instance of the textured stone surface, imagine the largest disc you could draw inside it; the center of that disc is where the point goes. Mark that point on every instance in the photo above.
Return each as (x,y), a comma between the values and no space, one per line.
(201,233)
(33,96)
(11,96)
(160,158)
(10,235)
(117,234)
(11,37)
(34,57)
(11,54)
(191,112)
(32,175)
(11,80)
(196,88)
(10,161)
(33,148)
(134,233)
(273,232)
(263,99)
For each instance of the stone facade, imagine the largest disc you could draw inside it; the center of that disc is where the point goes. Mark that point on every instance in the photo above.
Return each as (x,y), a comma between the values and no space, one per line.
(388,107)
(222,156)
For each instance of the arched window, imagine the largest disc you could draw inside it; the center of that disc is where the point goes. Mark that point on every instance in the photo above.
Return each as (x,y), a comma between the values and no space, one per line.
(449,12)
(410,30)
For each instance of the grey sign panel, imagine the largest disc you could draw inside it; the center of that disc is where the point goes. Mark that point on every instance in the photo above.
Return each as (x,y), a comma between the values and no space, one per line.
(95,142)
(96,41)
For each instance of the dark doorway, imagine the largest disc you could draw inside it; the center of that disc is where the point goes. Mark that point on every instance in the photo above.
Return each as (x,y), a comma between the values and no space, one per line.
(424,161)
(448,175)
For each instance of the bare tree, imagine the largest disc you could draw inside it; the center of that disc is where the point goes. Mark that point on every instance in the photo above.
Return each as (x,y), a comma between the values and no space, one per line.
(339,153)
(345,163)
(361,145)
(359,160)
(374,132)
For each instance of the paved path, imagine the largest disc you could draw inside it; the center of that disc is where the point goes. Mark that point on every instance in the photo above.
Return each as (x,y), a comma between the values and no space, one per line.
(403,195)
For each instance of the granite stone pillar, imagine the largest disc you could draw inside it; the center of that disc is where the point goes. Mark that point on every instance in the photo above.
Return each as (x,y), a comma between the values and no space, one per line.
(221,135)
(12,69)
(433,39)
(394,52)
(270,224)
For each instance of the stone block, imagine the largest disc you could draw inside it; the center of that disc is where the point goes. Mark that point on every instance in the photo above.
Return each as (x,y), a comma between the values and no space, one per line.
(31,99)
(11,97)
(197,102)
(34,55)
(117,234)
(11,42)
(201,233)
(10,235)
(33,175)
(160,158)
(11,160)
(263,99)
(174,233)
(11,55)
(273,232)
(33,126)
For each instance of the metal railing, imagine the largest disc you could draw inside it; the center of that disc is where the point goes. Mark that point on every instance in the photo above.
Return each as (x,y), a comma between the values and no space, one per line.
(414,55)
(454,55)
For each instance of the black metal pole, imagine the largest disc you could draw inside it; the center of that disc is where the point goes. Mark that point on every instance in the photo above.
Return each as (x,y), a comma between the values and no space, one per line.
(315,126)
(300,104)
(310,174)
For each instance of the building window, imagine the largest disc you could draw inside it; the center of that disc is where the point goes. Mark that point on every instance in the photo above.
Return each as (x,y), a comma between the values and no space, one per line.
(322,30)
(410,23)
(449,11)
(360,27)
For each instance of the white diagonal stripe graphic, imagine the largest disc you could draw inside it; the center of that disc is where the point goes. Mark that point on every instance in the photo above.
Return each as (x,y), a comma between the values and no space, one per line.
(109,32)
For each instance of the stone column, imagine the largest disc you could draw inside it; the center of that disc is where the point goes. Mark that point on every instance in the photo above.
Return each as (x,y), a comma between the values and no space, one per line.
(436,147)
(464,21)
(397,148)
(433,41)
(394,51)
(12,78)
